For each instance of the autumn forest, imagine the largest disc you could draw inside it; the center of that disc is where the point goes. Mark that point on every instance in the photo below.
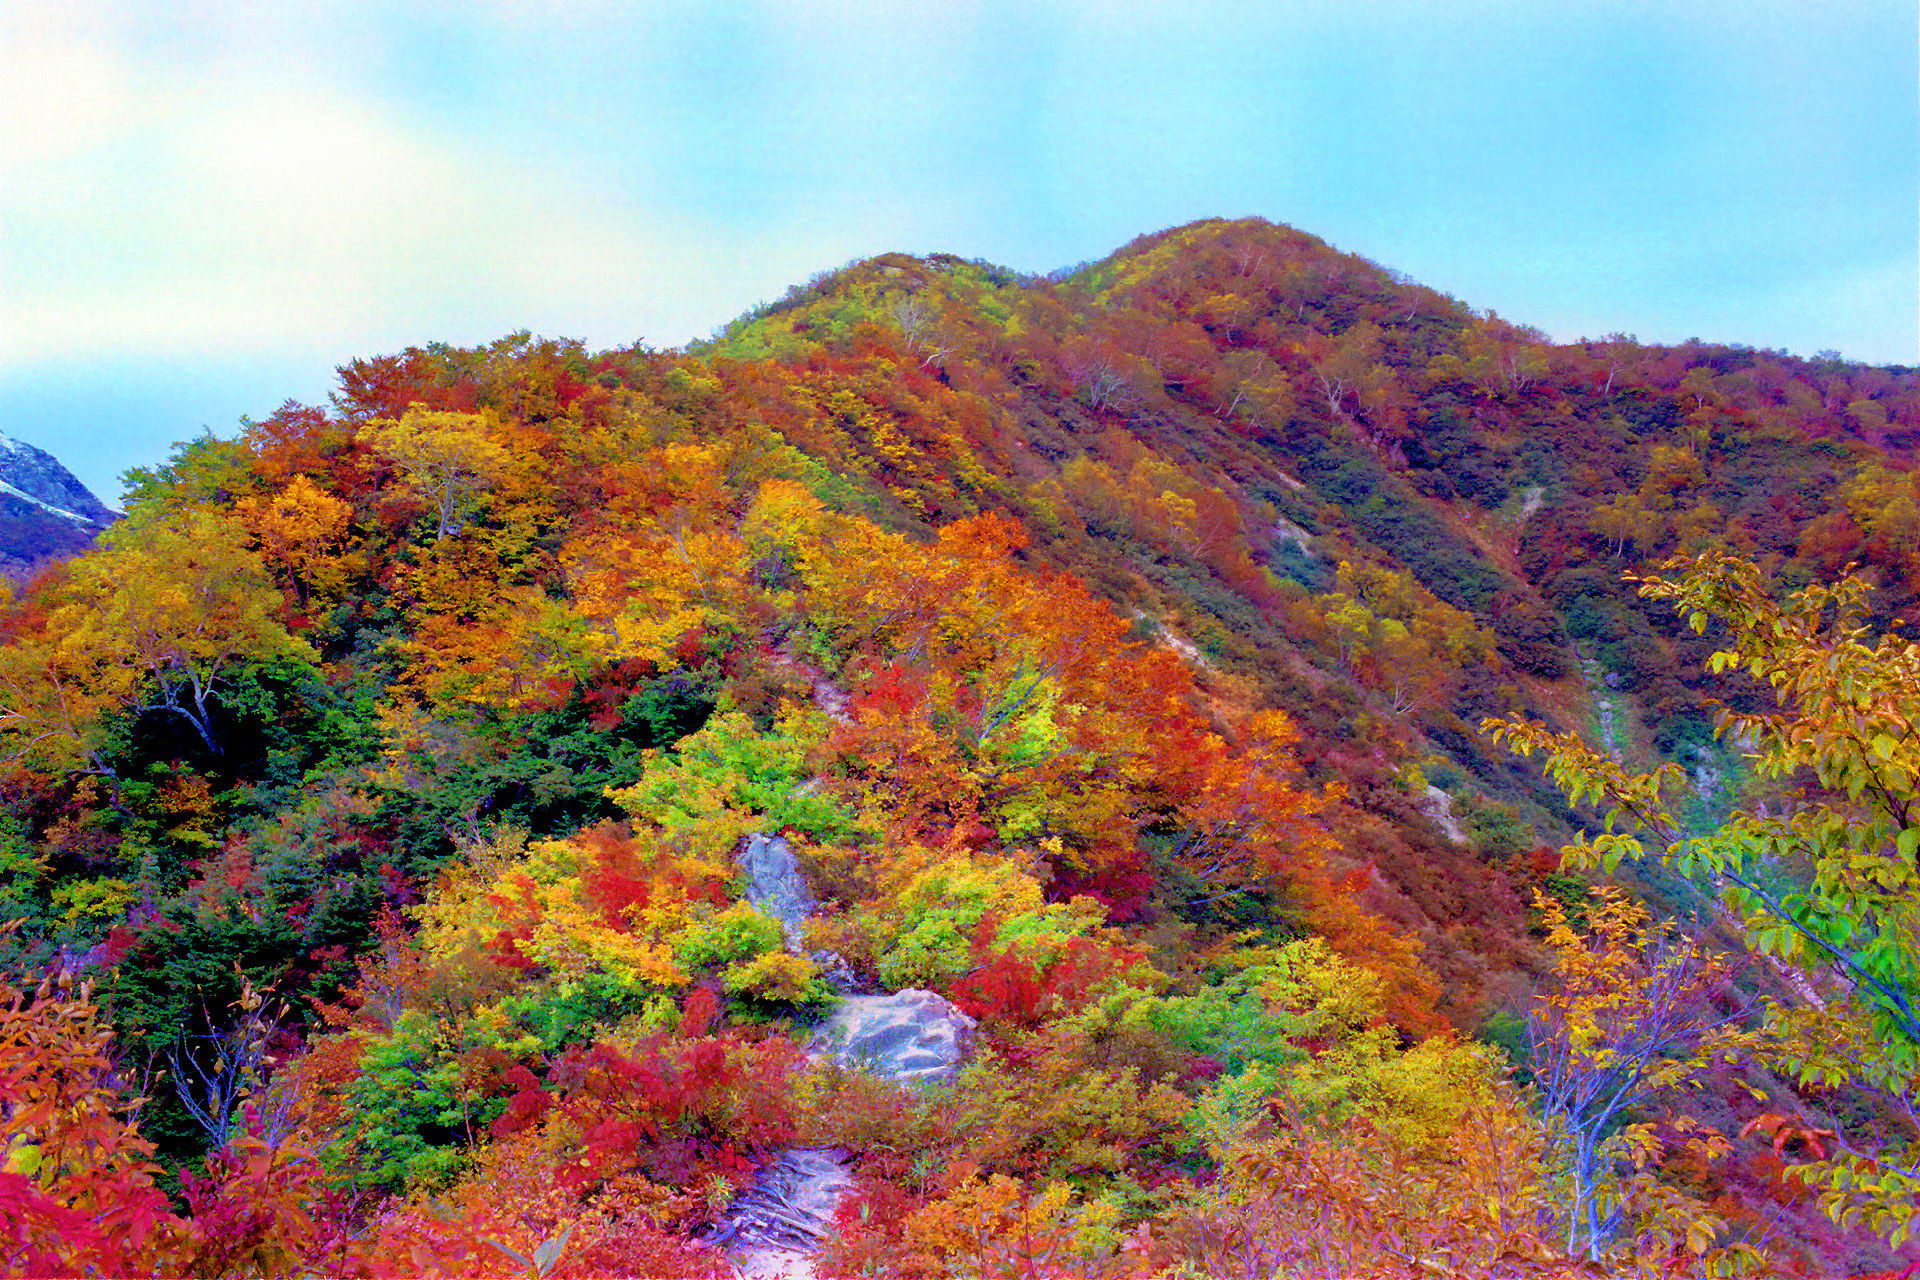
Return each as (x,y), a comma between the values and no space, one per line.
(1396,796)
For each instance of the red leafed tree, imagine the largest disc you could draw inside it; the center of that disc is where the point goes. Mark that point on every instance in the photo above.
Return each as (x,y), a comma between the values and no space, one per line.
(1010,986)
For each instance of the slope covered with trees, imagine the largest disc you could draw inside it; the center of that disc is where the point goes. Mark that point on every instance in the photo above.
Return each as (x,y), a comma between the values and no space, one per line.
(1113,648)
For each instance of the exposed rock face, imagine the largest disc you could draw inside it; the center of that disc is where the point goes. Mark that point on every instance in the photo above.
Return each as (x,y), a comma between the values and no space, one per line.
(37,476)
(45,513)
(790,1207)
(1438,805)
(912,1037)
(775,886)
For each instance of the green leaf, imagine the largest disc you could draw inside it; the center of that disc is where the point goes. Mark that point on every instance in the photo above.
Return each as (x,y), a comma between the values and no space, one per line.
(547,1256)
(511,1252)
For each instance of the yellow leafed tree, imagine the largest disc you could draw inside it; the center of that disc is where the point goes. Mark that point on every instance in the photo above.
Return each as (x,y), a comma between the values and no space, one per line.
(451,458)
(158,621)
(299,528)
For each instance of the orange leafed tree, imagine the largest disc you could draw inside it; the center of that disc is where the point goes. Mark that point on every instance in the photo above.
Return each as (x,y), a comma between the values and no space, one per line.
(77,1194)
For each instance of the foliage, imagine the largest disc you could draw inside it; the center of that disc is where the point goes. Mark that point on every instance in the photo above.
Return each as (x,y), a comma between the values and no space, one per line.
(925,937)
(679,1113)
(717,778)
(451,458)
(410,1111)
(1823,890)
(79,1182)
(1081,635)
(999,1226)
(1632,1016)
(1300,1199)
(159,623)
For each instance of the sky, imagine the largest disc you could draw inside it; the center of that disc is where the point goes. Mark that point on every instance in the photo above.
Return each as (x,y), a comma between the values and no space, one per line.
(206,208)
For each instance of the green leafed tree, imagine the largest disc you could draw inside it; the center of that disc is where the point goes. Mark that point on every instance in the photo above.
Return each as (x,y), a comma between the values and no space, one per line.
(1824,888)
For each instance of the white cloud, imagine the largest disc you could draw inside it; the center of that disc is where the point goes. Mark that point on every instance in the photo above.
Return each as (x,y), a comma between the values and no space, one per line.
(65,86)
(240,177)
(246,220)
(150,209)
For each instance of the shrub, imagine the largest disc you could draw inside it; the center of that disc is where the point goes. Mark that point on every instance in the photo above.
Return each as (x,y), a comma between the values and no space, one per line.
(77,1191)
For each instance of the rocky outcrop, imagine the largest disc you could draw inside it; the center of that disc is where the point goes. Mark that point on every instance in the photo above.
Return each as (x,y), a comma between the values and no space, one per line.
(1438,805)
(789,1209)
(774,883)
(35,477)
(776,887)
(912,1037)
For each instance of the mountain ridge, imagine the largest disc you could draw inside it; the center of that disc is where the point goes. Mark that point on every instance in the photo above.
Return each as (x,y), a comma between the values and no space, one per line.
(1110,647)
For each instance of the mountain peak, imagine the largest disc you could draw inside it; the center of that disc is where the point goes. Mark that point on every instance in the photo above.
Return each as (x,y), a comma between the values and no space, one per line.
(45,512)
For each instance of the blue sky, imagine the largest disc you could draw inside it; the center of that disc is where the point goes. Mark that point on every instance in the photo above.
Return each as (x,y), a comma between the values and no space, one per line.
(205,208)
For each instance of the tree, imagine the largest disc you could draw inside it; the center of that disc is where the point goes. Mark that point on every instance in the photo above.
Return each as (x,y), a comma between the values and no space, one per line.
(213,1081)
(1107,376)
(449,457)
(1393,635)
(1349,367)
(51,702)
(1626,519)
(1500,358)
(1243,817)
(1631,1016)
(917,315)
(158,621)
(1247,383)
(1824,888)
(1614,352)
(77,1193)
(297,528)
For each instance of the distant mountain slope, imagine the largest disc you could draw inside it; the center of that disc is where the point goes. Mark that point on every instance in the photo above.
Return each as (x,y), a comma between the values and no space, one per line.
(1388,513)
(45,513)
(1334,491)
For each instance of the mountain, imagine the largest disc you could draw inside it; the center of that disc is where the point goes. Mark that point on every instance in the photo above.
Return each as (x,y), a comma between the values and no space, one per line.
(1389,514)
(1109,650)
(45,513)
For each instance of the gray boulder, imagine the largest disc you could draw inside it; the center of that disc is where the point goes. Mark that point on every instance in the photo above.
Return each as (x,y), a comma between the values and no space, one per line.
(776,887)
(774,884)
(911,1037)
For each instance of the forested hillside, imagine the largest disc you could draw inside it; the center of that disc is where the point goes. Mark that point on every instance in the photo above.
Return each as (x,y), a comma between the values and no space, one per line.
(1112,649)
